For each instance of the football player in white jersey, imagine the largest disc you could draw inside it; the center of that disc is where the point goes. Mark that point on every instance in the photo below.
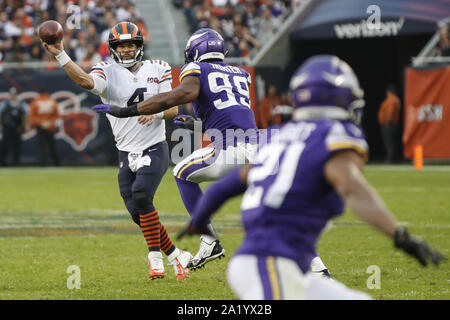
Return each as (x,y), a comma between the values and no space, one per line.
(143,150)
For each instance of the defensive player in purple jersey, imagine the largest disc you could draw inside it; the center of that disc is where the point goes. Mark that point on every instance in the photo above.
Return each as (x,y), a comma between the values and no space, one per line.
(298,182)
(221,100)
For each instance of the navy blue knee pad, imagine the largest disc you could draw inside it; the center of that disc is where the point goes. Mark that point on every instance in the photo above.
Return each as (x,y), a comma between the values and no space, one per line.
(143,202)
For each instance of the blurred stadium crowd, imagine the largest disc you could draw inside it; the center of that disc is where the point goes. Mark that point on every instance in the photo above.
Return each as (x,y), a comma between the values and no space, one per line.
(244,24)
(443,48)
(85,42)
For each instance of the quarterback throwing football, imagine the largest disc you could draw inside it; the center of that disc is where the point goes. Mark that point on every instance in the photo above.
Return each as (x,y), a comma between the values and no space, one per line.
(220,97)
(143,150)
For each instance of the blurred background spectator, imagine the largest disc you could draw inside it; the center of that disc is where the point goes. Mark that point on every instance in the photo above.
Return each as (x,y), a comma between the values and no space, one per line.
(12,119)
(389,120)
(86,27)
(284,109)
(43,116)
(267,106)
(244,24)
(444,40)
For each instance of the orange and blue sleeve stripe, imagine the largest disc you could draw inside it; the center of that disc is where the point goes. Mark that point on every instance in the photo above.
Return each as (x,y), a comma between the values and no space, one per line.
(98,72)
(161,62)
(167,75)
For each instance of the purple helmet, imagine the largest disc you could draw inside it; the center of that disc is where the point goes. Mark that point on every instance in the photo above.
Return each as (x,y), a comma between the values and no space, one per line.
(205,44)
(325,86)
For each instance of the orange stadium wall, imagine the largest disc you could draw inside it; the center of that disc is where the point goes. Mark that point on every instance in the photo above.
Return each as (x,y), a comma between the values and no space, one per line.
(427,113)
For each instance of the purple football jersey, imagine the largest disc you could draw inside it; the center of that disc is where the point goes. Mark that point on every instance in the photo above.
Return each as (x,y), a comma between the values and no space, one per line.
(223,102)
(288,201)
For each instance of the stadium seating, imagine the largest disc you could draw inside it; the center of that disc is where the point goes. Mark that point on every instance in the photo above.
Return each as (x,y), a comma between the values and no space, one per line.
(245,25)
(86,27)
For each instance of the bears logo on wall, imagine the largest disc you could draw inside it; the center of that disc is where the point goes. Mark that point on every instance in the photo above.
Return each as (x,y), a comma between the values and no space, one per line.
(77,126)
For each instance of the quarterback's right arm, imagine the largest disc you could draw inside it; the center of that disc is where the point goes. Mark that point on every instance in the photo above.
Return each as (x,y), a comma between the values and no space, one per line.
(74,71)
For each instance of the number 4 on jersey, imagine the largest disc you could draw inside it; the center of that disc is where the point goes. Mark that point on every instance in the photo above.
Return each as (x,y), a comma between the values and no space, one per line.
(138,93)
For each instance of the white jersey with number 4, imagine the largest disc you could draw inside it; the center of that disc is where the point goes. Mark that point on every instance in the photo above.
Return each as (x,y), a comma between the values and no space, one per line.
(118,86)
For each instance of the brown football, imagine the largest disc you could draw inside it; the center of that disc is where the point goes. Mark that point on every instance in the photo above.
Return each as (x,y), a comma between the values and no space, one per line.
(51,32)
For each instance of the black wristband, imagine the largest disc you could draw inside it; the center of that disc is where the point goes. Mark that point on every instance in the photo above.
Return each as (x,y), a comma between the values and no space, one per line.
(119,112)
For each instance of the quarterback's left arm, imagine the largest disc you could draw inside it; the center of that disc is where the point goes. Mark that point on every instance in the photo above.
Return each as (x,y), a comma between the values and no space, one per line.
(231,185)
(145,119)
(186,92)
(171,113)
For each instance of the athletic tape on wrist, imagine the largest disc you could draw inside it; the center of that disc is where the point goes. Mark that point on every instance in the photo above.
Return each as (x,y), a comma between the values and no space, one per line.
(159,115)
(63,58)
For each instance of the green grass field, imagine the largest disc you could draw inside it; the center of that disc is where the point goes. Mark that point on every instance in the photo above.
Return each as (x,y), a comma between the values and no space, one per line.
(51,219)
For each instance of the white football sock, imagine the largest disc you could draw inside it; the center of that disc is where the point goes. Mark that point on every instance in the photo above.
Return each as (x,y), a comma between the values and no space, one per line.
(317,265)
(173,255)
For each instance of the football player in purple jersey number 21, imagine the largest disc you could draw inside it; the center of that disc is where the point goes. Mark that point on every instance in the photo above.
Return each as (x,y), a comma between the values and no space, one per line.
(298,181)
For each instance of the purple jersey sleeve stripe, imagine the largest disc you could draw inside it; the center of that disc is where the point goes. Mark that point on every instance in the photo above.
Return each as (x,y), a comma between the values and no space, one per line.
(338,146)
(190,73)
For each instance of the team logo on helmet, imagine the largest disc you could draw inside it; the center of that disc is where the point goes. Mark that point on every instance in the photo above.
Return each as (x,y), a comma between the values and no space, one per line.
(205,44)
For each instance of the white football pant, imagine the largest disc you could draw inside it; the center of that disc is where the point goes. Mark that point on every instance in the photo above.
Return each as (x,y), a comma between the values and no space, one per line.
(278,278)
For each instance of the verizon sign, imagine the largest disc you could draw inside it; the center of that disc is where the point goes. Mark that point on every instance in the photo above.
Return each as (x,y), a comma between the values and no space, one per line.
(367,30)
